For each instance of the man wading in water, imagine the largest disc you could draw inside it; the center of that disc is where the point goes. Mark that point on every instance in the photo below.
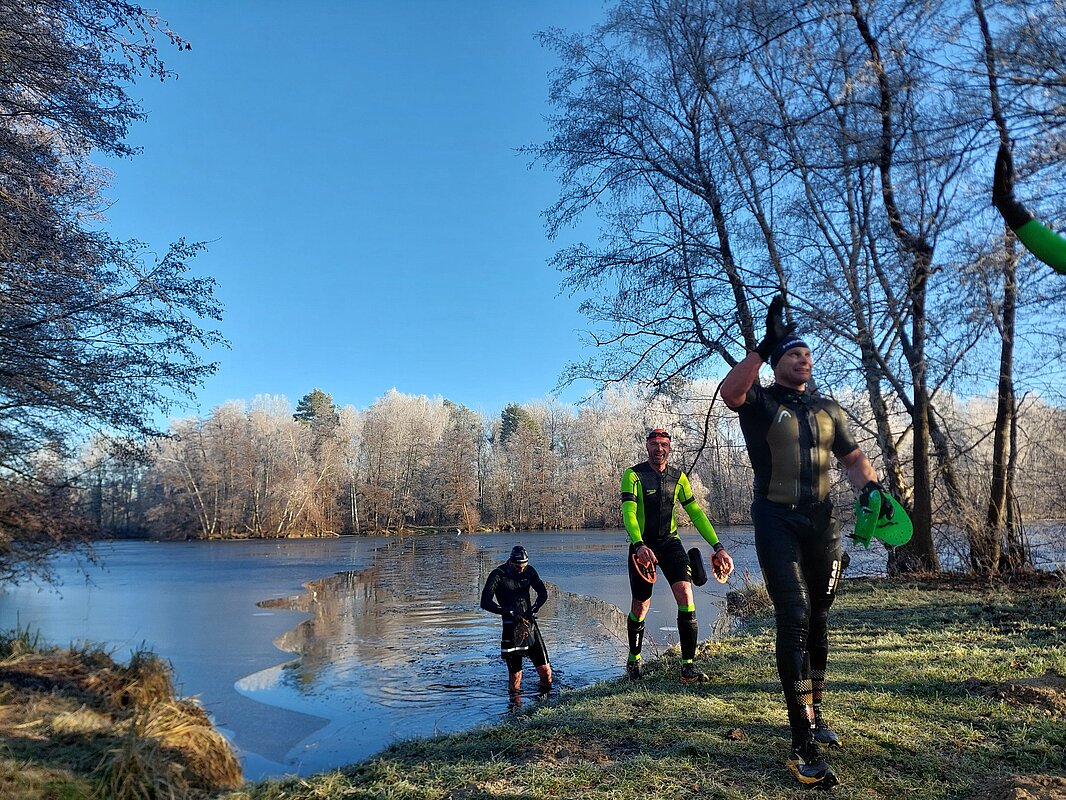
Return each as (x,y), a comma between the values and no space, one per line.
(506,593)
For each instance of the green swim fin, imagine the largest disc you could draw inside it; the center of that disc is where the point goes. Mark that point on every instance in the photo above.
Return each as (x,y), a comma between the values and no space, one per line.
(869,524)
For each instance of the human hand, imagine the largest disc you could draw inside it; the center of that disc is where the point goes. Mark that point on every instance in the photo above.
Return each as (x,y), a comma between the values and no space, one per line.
(1003,178)
(721,565)
(1013,212)
(776,329)
(886,505)
(643,560)
(646,556)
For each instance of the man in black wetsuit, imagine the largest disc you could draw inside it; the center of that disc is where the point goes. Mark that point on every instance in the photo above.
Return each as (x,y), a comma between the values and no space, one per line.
(506,593)
(792,434)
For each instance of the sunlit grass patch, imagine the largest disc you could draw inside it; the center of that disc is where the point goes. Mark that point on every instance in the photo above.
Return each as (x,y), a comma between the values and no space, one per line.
(80,722)
(915,690)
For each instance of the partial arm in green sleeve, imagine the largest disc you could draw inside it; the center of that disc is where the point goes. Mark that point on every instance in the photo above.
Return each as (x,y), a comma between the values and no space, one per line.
(1038,239)
(695,513)
(630,487)
(1044,243)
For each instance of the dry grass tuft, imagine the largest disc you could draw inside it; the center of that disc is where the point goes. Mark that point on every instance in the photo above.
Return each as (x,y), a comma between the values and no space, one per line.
(750,600)
(139,767)
(78,718)
(147,680)
(80,722)
(185,727)
(17,642)
(170,750)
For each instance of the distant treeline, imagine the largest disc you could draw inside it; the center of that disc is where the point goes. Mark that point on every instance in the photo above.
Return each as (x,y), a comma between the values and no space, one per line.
(261,469)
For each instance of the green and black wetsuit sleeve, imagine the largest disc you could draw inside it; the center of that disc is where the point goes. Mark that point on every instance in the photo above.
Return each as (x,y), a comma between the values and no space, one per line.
(631,494)
(1038,239)
(695,513)
(1044,243)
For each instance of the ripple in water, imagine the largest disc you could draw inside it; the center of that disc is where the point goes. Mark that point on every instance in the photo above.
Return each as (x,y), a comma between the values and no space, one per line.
(403,649)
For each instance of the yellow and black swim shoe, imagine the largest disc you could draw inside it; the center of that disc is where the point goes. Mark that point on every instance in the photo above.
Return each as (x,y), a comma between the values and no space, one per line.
(808,766)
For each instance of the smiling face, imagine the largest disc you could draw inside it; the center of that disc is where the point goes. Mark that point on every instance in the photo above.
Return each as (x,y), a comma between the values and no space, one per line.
(794,368)
(658,450)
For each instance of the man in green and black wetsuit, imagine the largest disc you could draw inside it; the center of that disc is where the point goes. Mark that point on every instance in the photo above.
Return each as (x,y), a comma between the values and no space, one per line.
(506,593)
(650,494)
(793,434)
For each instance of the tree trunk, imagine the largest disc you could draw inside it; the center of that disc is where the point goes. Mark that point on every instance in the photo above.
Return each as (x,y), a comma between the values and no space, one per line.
(919,554)
(986,553)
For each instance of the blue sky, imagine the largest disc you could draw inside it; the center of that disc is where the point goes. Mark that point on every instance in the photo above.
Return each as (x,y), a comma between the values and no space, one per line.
(353,166)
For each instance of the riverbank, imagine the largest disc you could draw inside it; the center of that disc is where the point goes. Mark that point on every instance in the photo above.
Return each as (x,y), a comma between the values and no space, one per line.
(74,723)
(944,688)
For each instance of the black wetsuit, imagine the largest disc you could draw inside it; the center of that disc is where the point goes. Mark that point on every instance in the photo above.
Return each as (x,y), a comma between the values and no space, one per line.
(507,590)
(791,438)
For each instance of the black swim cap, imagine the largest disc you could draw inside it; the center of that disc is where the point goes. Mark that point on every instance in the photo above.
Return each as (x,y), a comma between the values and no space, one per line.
(784,347)
(519,555)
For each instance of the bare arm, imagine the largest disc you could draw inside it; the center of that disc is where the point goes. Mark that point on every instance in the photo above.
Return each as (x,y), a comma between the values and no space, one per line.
(859,469)
(735,385)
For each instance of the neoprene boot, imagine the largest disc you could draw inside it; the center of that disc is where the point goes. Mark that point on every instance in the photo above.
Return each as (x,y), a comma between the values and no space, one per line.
(808,766)
(823,734)
(689,674)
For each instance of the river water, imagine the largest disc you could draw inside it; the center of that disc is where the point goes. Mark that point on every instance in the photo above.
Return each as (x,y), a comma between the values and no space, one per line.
(312,654)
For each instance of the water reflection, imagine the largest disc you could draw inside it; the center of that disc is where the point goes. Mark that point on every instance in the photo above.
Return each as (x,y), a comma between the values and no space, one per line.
(402,649)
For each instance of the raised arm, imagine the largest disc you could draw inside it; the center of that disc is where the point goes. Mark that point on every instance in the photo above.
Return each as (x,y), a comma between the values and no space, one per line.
(737,382)
(735,385)
(1038,239)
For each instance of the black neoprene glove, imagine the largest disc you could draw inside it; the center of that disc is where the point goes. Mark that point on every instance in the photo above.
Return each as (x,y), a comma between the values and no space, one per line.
(1013,212)
(864,498)
(776,329)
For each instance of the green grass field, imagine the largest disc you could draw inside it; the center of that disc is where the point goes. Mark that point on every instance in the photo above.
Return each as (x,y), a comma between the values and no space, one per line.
(940,688)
